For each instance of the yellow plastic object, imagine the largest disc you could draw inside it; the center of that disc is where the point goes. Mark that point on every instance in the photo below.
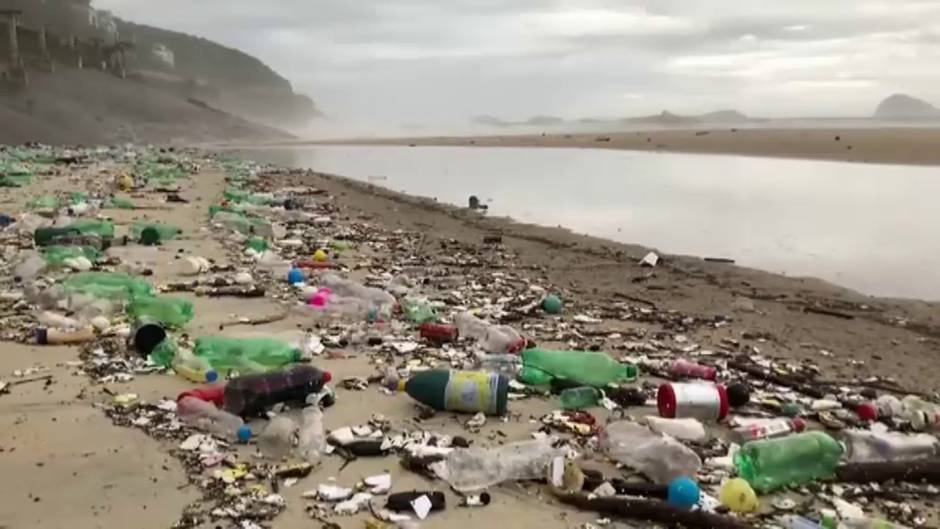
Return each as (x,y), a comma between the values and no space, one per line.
(737,495)
(320,256)
(125,182)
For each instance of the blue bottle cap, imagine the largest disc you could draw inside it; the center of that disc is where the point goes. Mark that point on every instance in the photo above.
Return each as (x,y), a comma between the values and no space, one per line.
(211,375)
(683,493)
(244,434)
(295,276)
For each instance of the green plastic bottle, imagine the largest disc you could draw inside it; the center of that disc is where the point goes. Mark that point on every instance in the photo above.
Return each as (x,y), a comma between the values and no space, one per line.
(588,368)
(152,233)
(56,255)
(43,203)
(172,312)
(245,354)
(108,285)
(579,398)
(418,311)
(48,236)
(461,391)
(800,458)
(117,202)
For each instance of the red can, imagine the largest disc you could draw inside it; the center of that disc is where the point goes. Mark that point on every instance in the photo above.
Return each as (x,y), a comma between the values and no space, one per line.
(438,332)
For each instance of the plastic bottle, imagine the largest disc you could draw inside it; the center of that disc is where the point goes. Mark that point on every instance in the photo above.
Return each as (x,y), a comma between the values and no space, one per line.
(495,339)
(55,255)
(923,415)
(796,521)
(706,402)
(580,398)
(55,320)
(661,458)
(172,312)
(205,416)
(225,354)
(463,391)
(506,364)
(766,429)
(685,369)
(868,523)
(311,439)
(344,308)
(29,269)
(799,458)
(438,333)
(251,395)
(193,368)
(347,288)
(587,368)
(866,446)
(682,429)
(418,311)
(257,244)
(49,236)
(56,337)
(474,469)
(153,233)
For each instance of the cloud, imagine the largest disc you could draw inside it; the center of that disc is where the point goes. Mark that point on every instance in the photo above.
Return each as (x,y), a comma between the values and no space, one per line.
(436,63)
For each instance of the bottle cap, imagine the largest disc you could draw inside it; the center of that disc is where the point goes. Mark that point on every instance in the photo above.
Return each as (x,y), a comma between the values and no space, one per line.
(666,401)
(738,394)
(244,434)
(42,336)
(211,375)
(867,411)
(327,377)
(798,424)
(683,493)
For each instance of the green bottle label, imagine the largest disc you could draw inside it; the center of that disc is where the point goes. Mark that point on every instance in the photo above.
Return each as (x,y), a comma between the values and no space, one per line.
(471,391)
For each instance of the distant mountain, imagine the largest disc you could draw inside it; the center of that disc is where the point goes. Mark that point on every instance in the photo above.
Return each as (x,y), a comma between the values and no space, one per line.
(901,106)
(490,121)
(544,121)
(724,116)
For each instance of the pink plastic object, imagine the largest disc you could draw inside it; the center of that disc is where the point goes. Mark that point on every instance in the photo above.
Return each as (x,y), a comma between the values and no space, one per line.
(684,368)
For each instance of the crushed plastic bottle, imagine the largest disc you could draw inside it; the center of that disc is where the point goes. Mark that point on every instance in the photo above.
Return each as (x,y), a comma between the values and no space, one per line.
(172,312)
(205,416)
(475,469)
(660,457)
(108,285)
(494,339)
(799,458)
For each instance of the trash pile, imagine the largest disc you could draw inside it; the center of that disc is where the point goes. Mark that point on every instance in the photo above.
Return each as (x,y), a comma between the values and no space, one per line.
(648,425)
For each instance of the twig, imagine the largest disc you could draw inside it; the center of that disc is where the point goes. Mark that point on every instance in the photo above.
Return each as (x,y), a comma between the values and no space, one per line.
(924,470)
(259,321)
(779,380)
(635,299)
(652,511)
(827,312)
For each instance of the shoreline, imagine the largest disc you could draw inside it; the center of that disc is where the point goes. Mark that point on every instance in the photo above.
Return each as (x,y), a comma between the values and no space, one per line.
(885,145)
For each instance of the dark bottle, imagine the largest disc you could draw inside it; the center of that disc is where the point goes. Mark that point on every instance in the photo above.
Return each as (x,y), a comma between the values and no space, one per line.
(252,395)
(401,501)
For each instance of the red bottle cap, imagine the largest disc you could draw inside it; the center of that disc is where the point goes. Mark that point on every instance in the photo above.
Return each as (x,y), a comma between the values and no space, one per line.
(867,411)
(798,425)
(327,377)
(724,405)
(666,401)
(214,394)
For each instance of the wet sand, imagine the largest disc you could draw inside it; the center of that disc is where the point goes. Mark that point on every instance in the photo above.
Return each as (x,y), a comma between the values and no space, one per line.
(867,145)
(88,473)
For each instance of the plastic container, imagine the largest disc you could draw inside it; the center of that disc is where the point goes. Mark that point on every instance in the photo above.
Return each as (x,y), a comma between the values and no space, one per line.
(438,333)
(586,368)
(252,395)
(494,339)
(799,458)
(108,285)
(767,429)
(461,391)
(580,398)
(866,446)
(706,402)
(146,336)
(687,369)
(171,312)
(661,458)
(260,353)
(205,416)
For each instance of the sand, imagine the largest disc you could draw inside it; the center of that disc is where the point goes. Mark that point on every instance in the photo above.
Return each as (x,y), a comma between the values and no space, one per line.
(871,145)
(65,465)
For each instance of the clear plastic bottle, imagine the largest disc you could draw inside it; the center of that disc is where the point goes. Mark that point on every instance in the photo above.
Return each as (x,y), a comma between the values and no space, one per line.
(579,398)
(192,367)
(348,288)
(495,339)
(661,458)
(865,446)
(474,469)
(506,364)
(766,429)
(29,268)
(205,416)
(311,439)
(689,429)
(278,438)
(923,415)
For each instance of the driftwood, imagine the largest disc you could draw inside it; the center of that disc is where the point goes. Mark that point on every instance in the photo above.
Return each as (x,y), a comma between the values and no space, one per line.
(924,470)
(780,380)
(652,511)
(828,312)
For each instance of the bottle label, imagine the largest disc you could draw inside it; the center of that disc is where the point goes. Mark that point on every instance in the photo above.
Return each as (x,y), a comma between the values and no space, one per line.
(471,391)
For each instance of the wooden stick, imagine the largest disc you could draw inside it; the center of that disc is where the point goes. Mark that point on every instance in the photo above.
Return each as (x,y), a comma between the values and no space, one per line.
(774,378)
(827,312)
(924,470)
(652,511)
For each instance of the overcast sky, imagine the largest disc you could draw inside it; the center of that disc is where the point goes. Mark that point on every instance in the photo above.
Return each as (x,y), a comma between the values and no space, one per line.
(442,61)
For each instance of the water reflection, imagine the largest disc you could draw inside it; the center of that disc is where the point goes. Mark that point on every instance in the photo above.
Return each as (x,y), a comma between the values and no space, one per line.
(864,226)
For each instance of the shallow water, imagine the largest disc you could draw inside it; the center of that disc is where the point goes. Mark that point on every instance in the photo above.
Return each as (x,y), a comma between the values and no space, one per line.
(867,227)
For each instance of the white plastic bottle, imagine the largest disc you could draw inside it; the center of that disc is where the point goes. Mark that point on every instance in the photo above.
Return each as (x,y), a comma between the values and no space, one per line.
(474,469)
(496,339)
(205,416)
(864,446)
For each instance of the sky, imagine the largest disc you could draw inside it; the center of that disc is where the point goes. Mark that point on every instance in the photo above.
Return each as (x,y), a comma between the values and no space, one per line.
(432,63)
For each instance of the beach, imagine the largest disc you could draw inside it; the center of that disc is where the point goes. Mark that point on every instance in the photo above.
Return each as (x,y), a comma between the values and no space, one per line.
(67,465)
(911,144)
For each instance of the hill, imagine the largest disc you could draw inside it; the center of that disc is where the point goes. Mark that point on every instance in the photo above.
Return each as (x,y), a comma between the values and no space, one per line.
(92,107)
(902,106)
